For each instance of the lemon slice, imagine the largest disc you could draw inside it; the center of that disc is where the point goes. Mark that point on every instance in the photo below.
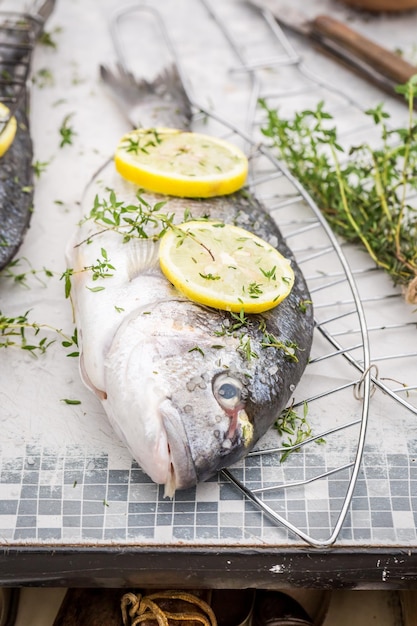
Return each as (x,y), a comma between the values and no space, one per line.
(179,163)
(8,131)
(224,266)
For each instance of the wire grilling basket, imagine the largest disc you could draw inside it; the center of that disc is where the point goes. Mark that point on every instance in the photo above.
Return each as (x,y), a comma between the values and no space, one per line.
(18,35)
(361,360)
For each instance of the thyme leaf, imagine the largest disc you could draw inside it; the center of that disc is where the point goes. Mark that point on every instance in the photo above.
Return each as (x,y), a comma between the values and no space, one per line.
(296,428)
(66,131)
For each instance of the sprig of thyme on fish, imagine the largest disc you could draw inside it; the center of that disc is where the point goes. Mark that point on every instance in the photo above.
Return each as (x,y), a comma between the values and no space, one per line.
(103,268)
(136,221)
(296,428)
(365,198)
(130,220)
(238,326)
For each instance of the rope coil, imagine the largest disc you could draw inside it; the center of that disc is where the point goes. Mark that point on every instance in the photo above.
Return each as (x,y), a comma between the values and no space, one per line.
(137,608)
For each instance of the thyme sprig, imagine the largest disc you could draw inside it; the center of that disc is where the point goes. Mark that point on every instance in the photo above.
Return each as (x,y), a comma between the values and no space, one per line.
(130,220)
(102,268)
(66,131)
(365,194)
(142,142)
(296,427)
(134,220)
(19,331)
(20,270)
(242,326)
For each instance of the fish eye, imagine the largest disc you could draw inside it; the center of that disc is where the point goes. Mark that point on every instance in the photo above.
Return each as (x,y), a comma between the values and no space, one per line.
(228,391)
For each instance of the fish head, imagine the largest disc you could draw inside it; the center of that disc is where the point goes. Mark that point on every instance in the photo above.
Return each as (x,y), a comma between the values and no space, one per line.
(179,396)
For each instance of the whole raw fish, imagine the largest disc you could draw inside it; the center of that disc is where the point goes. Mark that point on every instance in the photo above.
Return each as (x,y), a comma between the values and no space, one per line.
(18,33)
(189,389)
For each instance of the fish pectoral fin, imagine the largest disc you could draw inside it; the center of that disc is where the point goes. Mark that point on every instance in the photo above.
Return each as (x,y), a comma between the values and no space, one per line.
(101,395)
(142,257)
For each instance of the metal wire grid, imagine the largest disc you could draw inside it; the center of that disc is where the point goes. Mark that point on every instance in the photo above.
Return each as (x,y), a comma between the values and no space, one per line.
(16,45)
(18,34)
(339,380)
(328,321)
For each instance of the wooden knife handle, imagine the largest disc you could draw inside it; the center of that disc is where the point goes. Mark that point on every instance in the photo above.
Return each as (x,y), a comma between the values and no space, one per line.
(384,61)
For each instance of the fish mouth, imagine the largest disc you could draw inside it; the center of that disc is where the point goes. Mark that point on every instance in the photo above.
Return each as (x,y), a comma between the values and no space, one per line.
(182,473)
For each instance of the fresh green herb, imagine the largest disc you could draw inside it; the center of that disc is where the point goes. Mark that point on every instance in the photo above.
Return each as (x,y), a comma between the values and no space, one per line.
(20,270)
(237,326)
(66,131)
(254,290)
(43,78)
(239,319)
(59,102)
(288,347)
(101,269)
(130,220)
(46,38)
(66,276)
(364,196)
(39,167)
(142,141)
(271,274)
(242,327)
(5,75)
(14,332)
(245,348)
(269,340)
(296,428)
(72,342)
(76,78)
(197,349)
(303,304)
(134,220)
(95,289)
(20,332)
(210,276)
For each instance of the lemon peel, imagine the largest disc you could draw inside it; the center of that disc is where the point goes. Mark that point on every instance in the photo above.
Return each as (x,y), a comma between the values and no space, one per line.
(224,266)
(180,163)
(8,130)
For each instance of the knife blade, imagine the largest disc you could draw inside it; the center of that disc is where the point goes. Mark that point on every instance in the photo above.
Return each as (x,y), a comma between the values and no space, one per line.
(380,65)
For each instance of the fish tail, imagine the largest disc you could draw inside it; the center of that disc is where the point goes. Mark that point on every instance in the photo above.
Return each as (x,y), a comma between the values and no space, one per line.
(147,104)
